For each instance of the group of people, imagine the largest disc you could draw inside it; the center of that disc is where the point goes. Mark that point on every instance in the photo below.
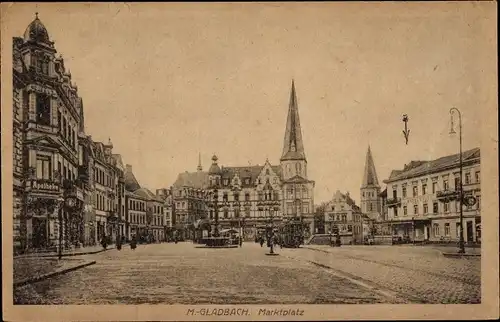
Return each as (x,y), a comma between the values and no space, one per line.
(119,242)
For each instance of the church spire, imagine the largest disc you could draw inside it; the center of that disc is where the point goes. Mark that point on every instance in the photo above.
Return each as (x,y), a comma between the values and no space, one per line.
(370,175)
(199,168)
(293,147)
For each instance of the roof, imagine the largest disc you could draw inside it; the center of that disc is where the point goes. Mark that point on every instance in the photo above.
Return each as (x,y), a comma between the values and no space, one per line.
(420,168)
(37,32)
(348,200)
(147,194)
(134,195)
(370,175)
(293,147)
(199,179)
(131,183)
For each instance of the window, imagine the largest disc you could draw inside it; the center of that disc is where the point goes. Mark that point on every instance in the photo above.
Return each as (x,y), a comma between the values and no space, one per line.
(435,230)
(305,193)
(267,172)
(43,167)
(415,191)
(224,197)
(424,189)
(434,187)
(247,196)
(275,180)
(405,210)
(445,185)
(478,176)
(447,229)
(226,182)
(467,178)
(298,168)
(446,207)
(363,193)
(404,192)
(236,213)
(305,208)
(370,206)
(236,196)
(415,209)
(43,109)
(276,196)
(289,209)
(457,228)
(395,212)
(349,228)
(457,183)
(394,194)
(426,208)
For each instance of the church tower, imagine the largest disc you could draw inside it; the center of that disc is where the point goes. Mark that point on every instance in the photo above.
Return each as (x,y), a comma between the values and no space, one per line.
(298,191)
(293,159)
(370,189)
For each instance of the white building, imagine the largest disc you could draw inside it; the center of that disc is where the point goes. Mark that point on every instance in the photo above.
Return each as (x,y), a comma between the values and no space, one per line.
(422,199)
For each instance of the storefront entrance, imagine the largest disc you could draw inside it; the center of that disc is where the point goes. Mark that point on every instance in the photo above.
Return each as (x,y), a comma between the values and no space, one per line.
(39,232)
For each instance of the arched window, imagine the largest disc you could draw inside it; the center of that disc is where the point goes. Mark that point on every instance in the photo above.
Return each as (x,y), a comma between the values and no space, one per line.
(298,168)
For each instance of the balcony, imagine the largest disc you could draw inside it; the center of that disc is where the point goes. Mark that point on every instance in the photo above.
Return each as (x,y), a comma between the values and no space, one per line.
(395,202)
(446,195)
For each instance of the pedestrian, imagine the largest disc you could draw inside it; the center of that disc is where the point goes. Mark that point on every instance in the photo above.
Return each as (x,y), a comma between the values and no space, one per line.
(261,241)
(119,243)
(133,242)
(241,241)
(104,242)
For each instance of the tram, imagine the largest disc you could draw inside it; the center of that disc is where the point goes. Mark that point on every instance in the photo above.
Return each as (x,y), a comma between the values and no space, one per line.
(291,234)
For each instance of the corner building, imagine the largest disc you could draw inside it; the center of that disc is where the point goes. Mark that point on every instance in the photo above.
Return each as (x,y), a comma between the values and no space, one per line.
(250,197)
(423,200)
(48,120)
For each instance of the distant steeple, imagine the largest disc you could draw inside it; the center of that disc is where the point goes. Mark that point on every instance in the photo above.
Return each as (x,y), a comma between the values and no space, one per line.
(293,147)
(370,175)
(199,168)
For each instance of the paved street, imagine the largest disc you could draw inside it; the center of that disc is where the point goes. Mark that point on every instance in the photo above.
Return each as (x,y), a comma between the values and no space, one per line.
(183,274)
(418,274)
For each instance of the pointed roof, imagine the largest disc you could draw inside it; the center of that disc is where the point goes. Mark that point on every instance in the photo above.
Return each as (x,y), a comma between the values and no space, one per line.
(370,175)
(293,147)
(199,168)
(131,183)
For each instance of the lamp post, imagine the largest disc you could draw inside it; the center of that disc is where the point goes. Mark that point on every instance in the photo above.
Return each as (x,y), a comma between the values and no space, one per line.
(461,246)
(216,213)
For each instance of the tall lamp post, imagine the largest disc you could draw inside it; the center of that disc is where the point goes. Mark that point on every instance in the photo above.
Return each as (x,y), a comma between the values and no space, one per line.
(461,246)
(216,213)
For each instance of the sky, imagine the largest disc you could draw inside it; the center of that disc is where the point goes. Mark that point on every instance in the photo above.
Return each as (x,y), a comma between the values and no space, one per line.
(166,82)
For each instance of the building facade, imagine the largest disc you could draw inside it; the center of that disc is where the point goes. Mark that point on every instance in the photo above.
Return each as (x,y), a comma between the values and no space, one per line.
(47,118)
(423,203)
(343,214)
(250,197)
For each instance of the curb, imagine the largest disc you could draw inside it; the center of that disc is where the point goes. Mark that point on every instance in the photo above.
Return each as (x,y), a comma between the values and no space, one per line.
(67,254)
(458,255)
(32,280)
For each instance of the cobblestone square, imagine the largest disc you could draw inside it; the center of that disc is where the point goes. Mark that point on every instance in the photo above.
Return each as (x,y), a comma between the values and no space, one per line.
(182,274)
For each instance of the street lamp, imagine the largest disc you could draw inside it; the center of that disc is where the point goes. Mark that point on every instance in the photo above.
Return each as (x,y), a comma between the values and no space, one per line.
(216,213)
(461,246)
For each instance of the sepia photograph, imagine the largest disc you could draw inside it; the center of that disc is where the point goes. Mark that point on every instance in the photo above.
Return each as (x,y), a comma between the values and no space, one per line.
(249,160)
